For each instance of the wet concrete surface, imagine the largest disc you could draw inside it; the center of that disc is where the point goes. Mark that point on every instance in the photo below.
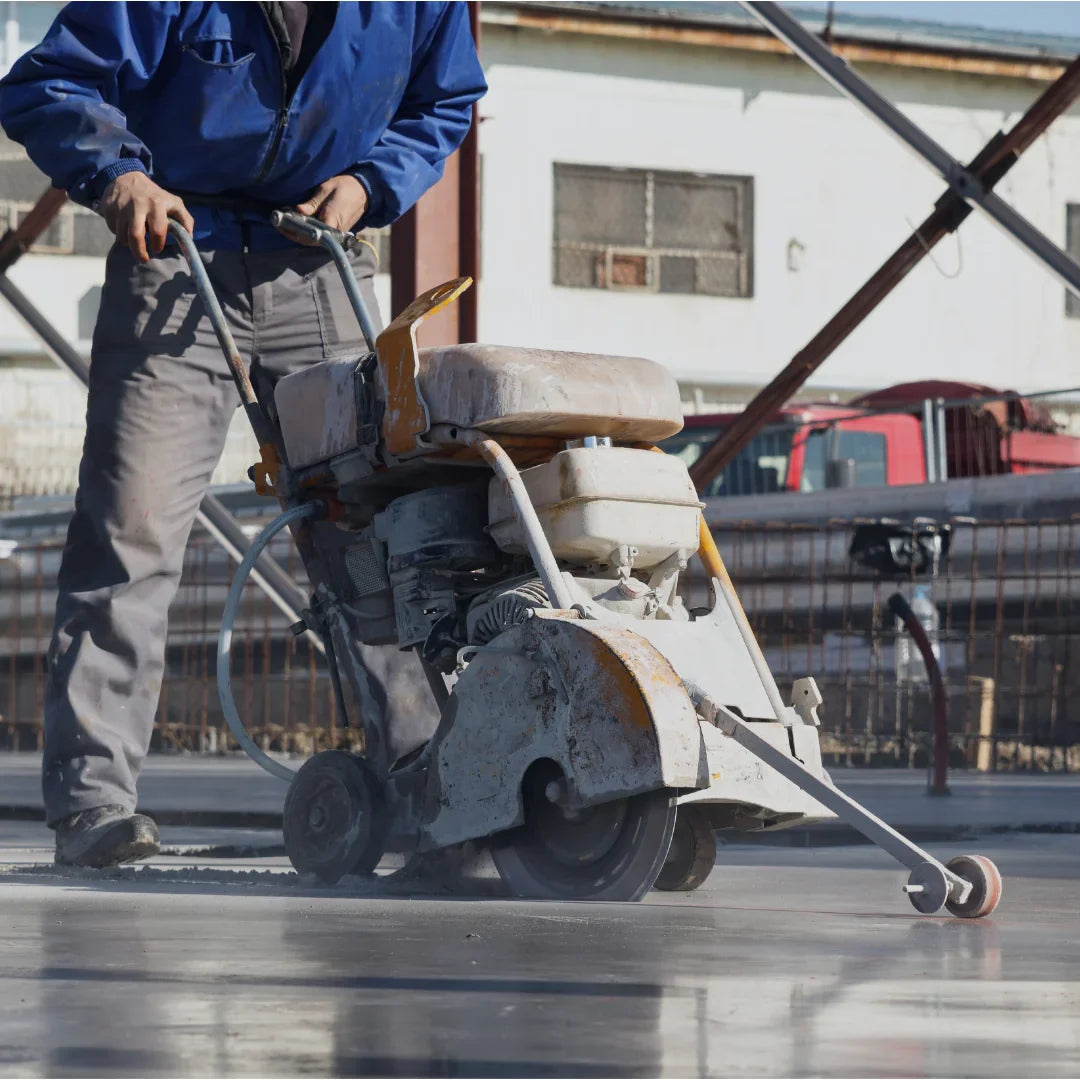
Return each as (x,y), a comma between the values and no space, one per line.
(788,962)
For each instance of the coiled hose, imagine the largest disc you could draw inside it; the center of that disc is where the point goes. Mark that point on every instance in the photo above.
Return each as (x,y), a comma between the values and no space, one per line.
(228,617)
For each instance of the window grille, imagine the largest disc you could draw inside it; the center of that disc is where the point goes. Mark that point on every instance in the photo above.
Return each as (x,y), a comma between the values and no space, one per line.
(653,231)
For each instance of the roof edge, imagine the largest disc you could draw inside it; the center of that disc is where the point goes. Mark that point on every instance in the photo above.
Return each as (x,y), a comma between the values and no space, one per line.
(985,57)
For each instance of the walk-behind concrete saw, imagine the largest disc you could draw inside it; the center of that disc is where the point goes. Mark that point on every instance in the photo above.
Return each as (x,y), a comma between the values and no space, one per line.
(502,513)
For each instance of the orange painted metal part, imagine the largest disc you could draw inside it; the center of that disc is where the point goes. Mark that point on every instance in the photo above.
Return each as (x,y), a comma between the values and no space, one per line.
(266,472)
(523,450)
(406,415)
(708,552)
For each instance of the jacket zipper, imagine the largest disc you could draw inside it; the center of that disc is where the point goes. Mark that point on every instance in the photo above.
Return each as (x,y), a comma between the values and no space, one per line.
(283,112)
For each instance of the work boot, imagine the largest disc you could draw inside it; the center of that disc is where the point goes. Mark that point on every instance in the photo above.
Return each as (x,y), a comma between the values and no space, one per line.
(105,836)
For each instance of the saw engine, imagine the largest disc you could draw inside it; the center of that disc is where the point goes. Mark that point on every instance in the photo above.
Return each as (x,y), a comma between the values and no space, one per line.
(446,567)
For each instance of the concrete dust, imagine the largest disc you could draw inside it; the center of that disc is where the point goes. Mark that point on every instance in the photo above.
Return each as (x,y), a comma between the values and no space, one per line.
(464,872)
(223,851)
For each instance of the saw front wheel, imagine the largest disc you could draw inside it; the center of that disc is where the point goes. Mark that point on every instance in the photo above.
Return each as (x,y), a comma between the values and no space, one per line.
(334,821)
(985,886)
(613,851)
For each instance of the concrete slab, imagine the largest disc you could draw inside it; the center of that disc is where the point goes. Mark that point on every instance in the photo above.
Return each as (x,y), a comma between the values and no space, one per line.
(788,962)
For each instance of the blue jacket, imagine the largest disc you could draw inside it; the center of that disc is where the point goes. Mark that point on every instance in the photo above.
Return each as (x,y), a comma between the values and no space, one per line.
(195,95)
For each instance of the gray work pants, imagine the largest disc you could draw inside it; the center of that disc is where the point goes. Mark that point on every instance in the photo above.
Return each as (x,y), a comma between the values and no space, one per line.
(160,403)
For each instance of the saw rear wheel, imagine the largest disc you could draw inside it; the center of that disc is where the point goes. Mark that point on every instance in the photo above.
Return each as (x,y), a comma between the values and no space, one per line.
(334,822)
(612,851)
(693,852)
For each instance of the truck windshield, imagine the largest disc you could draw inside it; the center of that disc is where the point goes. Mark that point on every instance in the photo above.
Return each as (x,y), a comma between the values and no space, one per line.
(862,453)
(759,468)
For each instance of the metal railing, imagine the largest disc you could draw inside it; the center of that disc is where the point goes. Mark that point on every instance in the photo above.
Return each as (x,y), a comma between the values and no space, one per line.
(1006,593)
(282,687)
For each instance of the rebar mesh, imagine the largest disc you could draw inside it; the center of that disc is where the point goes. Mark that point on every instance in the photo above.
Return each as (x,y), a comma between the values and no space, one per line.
(1006,594)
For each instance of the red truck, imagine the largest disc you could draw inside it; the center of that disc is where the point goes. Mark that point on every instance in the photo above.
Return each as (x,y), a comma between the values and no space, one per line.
(906,434)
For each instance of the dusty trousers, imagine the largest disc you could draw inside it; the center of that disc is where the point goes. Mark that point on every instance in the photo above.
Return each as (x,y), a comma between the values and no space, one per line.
(160,403)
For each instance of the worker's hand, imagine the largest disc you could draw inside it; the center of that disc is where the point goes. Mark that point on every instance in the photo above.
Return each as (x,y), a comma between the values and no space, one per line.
(134,207)
(339,201)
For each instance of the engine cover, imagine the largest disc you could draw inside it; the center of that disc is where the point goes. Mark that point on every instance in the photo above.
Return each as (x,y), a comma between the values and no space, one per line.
(439,527)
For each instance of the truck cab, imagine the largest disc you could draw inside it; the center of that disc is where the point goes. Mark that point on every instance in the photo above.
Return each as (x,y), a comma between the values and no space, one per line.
(811,448)
(904,434)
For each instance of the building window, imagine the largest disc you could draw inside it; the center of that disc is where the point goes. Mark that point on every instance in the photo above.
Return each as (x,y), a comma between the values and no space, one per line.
(668,232)
(1072,245)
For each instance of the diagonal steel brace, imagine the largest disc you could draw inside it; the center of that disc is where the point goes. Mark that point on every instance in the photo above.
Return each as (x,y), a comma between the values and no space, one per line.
(990,165)
(962,180)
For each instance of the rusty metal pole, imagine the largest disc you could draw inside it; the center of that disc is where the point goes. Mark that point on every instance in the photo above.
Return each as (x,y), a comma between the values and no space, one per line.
(16,242)
(990,165)
(424,252)
(469,210)
(438,239)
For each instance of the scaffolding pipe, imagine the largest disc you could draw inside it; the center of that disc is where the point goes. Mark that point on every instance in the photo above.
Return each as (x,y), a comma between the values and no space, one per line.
(967,184)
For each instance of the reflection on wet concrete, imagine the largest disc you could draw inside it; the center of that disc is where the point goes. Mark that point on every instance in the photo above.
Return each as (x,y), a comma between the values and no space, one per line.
(109,980)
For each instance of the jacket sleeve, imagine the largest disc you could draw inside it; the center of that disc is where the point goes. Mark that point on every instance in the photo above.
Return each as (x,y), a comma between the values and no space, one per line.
(433,118)
(60,100)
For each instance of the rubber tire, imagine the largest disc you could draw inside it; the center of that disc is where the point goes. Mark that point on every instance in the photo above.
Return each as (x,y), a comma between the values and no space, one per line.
(353,838)
(986,886)
(692,854)
(626,873)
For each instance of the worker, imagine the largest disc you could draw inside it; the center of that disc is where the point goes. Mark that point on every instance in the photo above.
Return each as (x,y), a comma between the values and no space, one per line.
(211,114)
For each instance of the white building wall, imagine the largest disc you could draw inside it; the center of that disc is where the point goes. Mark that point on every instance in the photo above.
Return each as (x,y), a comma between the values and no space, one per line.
(826,178)
(830,186)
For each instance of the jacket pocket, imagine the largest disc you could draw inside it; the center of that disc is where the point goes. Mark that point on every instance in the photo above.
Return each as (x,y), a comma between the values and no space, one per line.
(220,106)
(146,308)
(218,52)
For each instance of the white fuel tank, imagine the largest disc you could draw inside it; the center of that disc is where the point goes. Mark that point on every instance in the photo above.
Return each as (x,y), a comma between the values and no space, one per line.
(593,500)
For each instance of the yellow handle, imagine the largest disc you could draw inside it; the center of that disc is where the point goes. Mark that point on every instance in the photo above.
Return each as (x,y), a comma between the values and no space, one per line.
(708,552)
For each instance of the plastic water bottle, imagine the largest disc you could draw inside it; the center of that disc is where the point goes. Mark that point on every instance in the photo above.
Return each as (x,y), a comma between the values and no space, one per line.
(909,661)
